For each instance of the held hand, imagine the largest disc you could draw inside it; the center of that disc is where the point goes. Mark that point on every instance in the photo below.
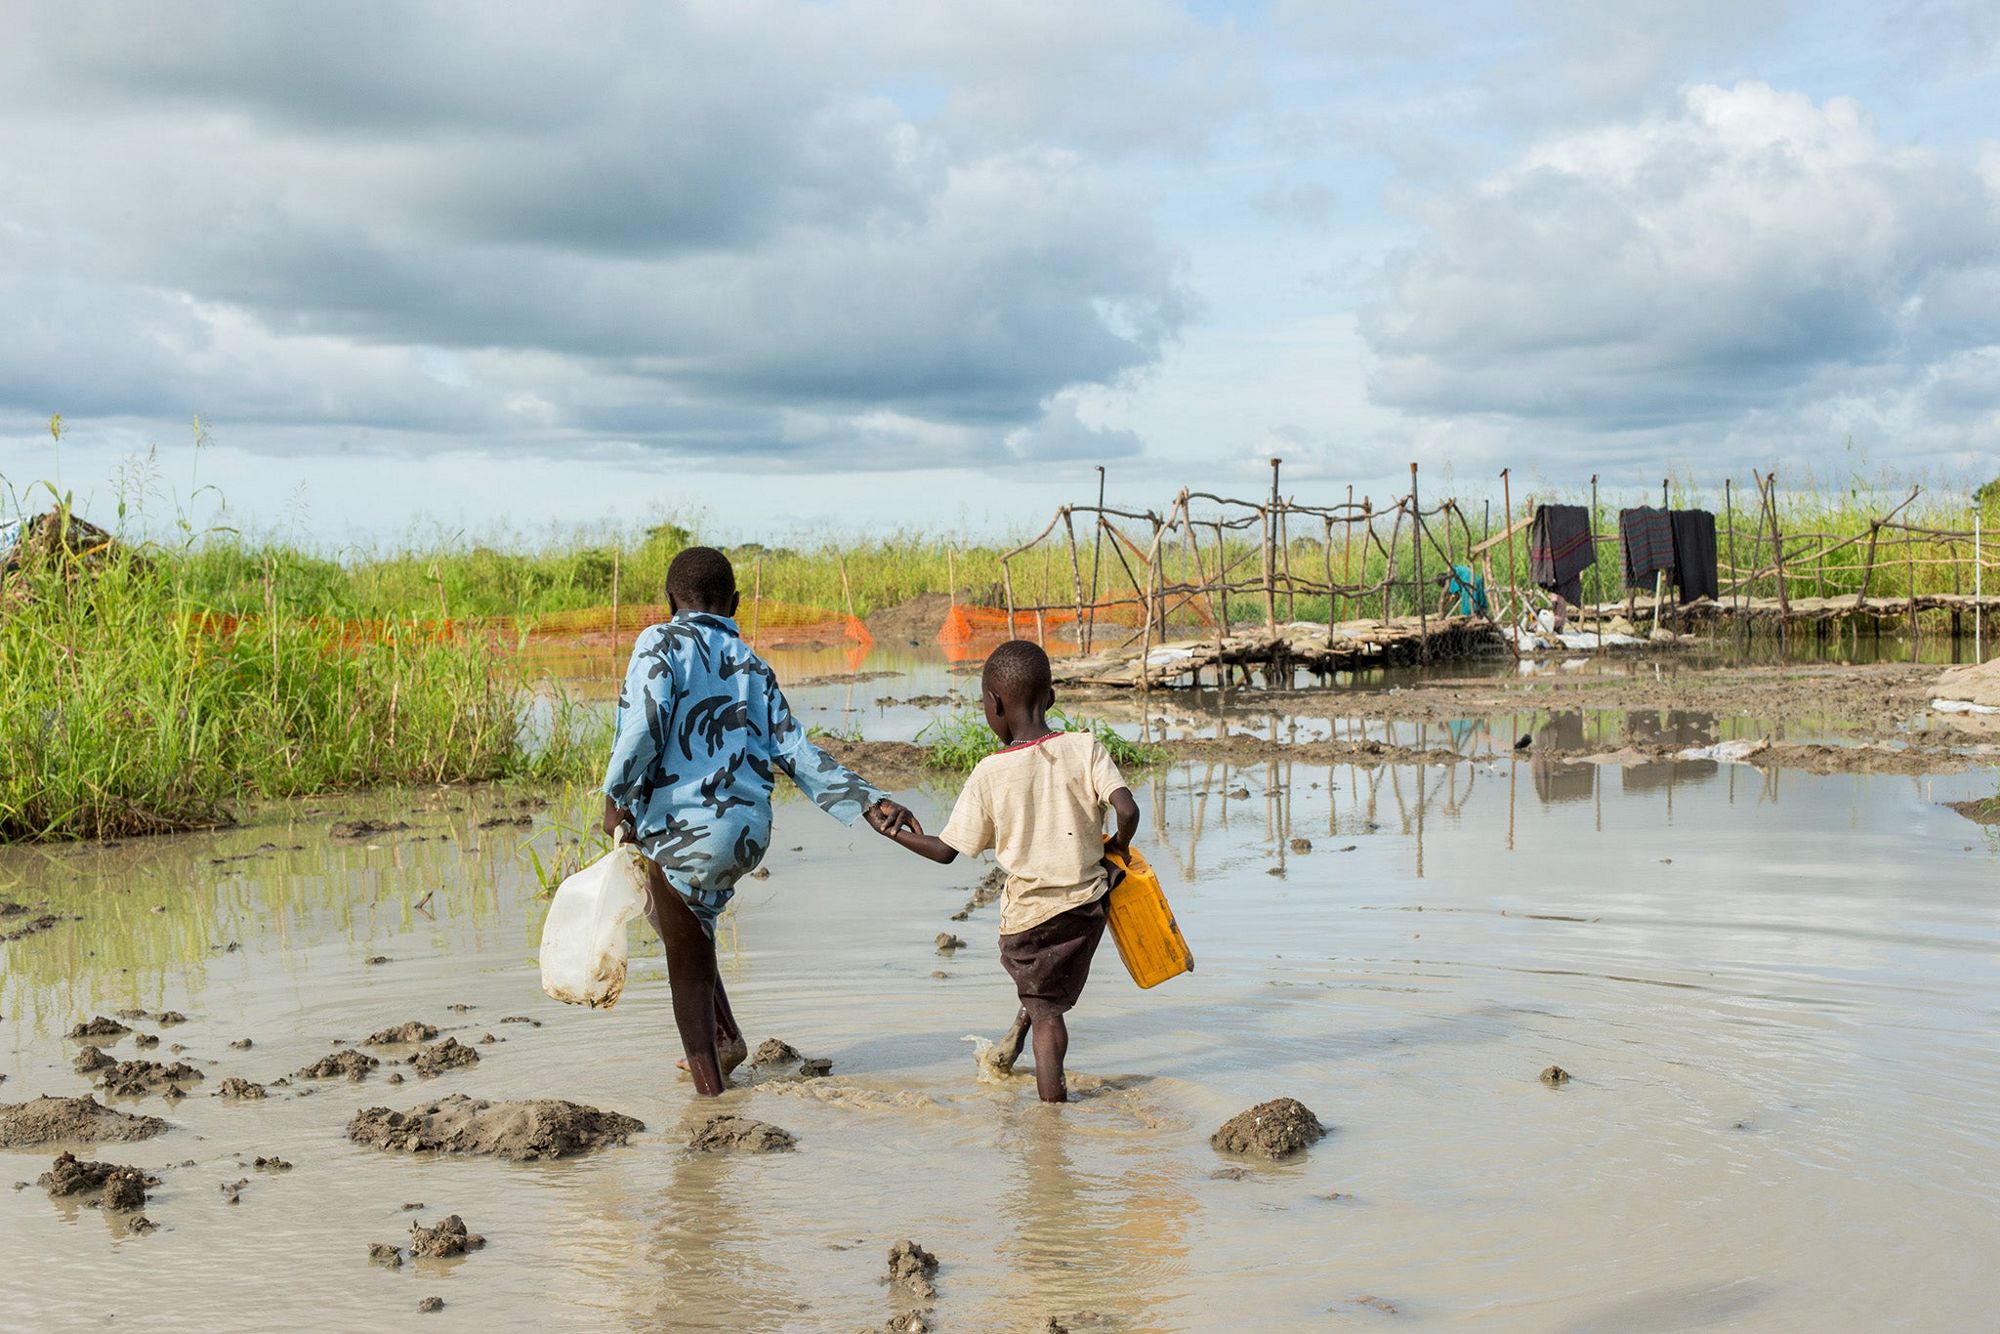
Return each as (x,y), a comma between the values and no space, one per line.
(613,817)
(890,818)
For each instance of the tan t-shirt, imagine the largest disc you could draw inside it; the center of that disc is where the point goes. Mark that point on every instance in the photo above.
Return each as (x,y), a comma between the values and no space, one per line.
(1040,807)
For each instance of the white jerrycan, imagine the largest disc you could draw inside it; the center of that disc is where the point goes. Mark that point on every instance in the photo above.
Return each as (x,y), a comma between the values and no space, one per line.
(583,939)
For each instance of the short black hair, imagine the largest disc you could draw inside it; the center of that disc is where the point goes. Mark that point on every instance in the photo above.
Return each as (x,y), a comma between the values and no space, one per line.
(1018,672)
(701,577)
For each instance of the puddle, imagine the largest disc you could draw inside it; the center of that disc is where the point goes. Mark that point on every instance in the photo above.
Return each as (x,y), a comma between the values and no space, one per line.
(1774,992)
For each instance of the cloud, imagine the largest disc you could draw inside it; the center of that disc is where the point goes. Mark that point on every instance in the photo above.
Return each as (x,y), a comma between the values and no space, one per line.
(1061,436)
(1751,256)
(692,226)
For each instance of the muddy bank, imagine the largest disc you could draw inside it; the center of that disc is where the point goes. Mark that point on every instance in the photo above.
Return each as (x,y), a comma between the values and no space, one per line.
(84,1120)
(915,622)
(1867,701)
(902,764)
(526,1131)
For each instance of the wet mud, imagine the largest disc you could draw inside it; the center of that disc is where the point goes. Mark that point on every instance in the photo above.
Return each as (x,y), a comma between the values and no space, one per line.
(740,1134)
(1276,1130)
(118,1189)
(415,1031)
(347,1064)
(443,1240)
(526,1131)
(82,1120)
(451,1054)
(137,1079)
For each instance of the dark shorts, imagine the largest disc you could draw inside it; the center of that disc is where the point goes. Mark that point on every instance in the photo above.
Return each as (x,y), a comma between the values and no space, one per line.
(1050,961)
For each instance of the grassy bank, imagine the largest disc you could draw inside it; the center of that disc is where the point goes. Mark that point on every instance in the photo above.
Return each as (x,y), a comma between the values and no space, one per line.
(123,711)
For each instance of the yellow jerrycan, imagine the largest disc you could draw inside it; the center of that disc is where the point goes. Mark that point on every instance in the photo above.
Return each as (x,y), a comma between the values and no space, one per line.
(1142,924)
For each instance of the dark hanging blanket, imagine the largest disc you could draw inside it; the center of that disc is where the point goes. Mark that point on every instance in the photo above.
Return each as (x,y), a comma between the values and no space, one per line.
(1694,555)
(1560,548)
(1646,535)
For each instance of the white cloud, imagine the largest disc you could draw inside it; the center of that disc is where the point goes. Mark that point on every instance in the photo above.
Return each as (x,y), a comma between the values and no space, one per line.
(1753,254)
(670,226)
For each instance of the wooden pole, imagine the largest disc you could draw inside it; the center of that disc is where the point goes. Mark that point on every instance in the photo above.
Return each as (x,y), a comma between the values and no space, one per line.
(1075,576)
(846,589)
(1096,555)
(950,575)
(1423,591)
(1222,575)
(1978,590)
(1770,489)
(615,554)
(1270,553)
(1007,577)
(1596,574)
(1347,543)
(1507,521)
(1326,550)
(1729,509)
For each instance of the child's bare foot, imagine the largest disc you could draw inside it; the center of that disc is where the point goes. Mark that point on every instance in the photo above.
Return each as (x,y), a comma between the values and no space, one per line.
(1008,1050)
(728,1054)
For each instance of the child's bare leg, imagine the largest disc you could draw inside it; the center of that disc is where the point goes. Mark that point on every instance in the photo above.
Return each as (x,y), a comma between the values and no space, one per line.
(694,978)
(1008,1049)
(729,1043)
(1051,1046)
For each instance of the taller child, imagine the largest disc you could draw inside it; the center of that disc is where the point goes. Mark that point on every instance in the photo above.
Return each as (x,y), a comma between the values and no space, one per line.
(702,730)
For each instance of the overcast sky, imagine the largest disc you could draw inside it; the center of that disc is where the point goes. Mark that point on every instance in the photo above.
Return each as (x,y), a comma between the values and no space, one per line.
(833,266)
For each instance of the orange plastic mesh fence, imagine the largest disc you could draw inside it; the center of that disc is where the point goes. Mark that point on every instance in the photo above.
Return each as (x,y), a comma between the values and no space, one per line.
(964,624)
(763,620)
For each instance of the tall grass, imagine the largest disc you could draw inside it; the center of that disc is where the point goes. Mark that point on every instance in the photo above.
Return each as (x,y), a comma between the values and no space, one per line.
(122,711)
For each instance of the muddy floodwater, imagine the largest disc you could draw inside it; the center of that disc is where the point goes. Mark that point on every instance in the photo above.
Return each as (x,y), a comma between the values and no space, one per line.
(1775,994)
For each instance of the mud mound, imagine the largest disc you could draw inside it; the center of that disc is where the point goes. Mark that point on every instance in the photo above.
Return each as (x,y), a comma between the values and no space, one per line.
(451,1054)
(525,1131)
(444,1240)
(124,1187)
(775,1051)
(946,942)
(775,1054)
(353,1065)
(914,622)
(135,1079)
(90,1060)
(739,1134)
(99,1027)
(985,892)
(413,1032)
(84,1120)
(1275,1129)
(238,1089)
(910,1268)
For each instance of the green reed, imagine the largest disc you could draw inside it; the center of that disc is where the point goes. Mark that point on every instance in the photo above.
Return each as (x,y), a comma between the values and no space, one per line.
(125,708)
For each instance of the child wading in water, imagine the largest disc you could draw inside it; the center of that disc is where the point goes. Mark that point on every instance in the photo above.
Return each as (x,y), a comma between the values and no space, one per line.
(1039,804)
(702,730)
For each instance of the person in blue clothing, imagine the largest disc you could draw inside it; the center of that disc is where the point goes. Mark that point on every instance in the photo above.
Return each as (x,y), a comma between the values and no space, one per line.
(702,733)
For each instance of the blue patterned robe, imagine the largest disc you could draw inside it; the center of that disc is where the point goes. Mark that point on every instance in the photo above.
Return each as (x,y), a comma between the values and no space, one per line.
(702,731)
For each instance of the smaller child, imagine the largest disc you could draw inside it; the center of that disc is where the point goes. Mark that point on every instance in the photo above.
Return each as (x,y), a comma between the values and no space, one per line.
(1039,804)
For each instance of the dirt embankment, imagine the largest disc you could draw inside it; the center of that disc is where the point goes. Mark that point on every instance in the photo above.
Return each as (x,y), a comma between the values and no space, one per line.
(914,622)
